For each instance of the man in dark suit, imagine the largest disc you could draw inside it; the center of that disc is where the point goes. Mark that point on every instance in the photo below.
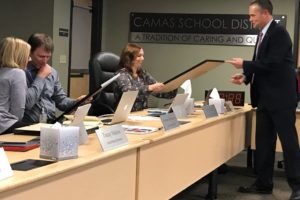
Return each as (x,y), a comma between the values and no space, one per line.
(272,77)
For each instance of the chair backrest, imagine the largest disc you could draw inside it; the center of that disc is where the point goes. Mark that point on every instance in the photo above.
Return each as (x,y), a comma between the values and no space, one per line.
(102,66)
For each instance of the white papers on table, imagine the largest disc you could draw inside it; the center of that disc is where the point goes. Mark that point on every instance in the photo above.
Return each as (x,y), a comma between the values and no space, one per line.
(216,101)
(139,129)
(214,94)
(187,87)
(189,102)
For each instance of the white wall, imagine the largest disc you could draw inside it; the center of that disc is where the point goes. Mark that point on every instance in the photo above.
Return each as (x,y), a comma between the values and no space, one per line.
(81,38)
(18,19)
(165,60)
(60,58)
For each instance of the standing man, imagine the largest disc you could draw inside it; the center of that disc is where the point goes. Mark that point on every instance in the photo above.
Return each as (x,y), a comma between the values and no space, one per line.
(272,77)
(45,92)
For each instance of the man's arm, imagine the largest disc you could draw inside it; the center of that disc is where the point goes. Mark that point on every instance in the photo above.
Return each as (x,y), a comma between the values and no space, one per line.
(239,78)
(35,89)
(60,98)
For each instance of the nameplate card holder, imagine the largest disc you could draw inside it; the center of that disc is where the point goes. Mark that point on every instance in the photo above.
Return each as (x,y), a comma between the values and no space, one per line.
(5,168)
(169,121)
(210,111)
(229,106)
(112,137)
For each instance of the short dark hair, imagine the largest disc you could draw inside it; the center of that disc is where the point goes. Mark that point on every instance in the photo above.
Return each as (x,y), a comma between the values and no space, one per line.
(264,4)
(41,40)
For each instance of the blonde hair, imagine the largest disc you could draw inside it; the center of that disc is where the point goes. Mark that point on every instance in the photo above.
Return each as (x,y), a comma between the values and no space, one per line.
(14,53)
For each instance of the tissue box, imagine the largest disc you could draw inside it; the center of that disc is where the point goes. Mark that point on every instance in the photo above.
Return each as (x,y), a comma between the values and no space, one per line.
(219,104)
(189,105)
(59,143)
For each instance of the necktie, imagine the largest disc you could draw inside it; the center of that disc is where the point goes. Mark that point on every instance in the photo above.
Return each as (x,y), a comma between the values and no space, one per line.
(260,37)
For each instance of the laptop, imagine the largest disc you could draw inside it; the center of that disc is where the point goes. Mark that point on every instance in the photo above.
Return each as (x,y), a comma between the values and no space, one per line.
(82,101)
(78,117)
(123,109)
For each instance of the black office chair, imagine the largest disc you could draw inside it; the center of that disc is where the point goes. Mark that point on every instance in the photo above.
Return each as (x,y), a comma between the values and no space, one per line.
(102,67)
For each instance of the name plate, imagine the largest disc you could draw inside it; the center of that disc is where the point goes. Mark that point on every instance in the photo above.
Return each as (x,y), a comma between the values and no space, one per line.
(111,137)
(5,168)
(229,106)
(210,111)
(169,121)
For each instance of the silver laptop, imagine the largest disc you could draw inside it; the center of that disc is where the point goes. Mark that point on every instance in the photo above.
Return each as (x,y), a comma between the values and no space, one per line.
(123,109)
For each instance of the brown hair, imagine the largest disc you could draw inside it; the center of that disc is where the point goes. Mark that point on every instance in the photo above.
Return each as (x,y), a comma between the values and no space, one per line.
(43,40)
(264,4)
(129,53)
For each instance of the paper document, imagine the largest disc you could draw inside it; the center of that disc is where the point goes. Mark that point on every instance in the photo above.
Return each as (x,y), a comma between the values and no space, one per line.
(214,94)
(187,87)
(191,74)
(139,129)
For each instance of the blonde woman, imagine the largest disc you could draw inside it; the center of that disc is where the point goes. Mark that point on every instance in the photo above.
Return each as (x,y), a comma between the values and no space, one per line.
(14,54)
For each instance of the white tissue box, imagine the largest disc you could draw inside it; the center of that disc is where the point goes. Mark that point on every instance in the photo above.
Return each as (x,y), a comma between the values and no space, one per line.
(59,143)
(189,105)
(219,104)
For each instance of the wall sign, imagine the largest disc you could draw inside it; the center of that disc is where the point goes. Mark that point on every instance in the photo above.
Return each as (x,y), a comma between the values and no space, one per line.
(213,29)
(63,32)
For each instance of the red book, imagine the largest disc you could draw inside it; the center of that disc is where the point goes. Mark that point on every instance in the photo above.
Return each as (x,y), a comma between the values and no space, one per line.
(21,148)
(19,143)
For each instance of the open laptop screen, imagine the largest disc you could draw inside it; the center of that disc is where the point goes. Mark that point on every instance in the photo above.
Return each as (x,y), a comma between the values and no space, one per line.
(123,109)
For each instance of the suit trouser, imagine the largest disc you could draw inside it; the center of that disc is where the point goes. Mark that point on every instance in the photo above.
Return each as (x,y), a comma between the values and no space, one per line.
(268,125)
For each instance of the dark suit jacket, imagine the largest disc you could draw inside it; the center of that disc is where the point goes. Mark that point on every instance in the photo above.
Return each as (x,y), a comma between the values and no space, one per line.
(274,82)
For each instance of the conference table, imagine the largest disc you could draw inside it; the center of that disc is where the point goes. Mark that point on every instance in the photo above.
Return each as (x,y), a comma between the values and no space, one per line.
(93,175)
(152,166)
